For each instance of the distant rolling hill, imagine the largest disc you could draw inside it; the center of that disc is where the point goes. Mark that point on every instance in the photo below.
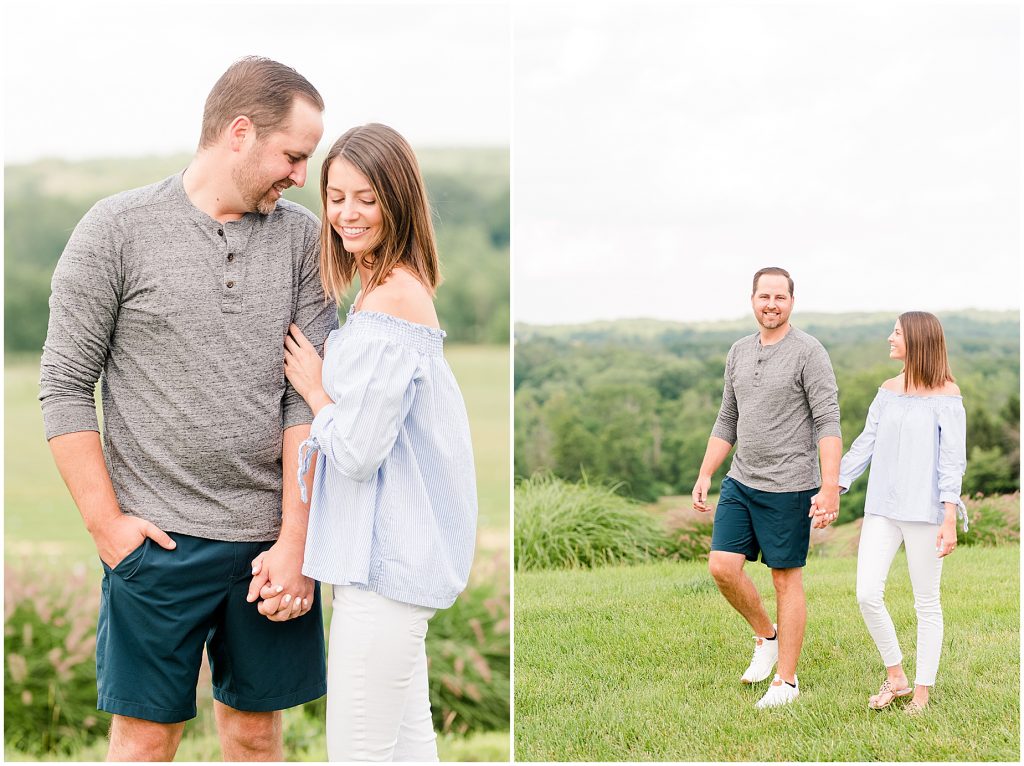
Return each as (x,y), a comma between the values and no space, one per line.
(469,194)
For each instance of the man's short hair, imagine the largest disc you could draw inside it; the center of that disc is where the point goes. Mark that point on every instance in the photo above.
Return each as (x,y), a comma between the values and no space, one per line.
(259,88)
(774,271)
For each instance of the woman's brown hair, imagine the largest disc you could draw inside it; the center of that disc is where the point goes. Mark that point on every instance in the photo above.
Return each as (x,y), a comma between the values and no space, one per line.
(407,233)
(927,363)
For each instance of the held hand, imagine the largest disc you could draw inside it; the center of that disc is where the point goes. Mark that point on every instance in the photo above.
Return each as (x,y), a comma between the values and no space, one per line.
(124,533)
(824,508)
(945,543)
(821,519)
(302,364)
(279,582)
(818,515)
(700,494)
(280,602)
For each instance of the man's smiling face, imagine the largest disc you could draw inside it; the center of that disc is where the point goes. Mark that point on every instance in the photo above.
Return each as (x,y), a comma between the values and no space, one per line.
(771,301)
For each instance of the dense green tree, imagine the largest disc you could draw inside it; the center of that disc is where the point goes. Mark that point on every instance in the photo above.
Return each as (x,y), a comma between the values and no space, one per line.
(989,471)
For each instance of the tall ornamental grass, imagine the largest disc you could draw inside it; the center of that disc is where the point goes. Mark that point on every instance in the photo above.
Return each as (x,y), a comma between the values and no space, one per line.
(469,655)
(49,659)
(562,525)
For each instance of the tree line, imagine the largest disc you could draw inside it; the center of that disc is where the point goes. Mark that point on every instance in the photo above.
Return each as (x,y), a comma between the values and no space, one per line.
(468,190)
(633,403)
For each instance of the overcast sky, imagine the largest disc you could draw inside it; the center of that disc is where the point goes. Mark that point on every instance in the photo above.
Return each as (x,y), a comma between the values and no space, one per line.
(99,79)
(663,154)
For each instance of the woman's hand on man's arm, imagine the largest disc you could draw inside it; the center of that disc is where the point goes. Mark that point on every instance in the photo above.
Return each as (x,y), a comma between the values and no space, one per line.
(304,369)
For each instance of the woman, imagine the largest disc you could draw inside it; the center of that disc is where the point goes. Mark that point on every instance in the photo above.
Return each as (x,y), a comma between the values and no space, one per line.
(915,439)
(392,522)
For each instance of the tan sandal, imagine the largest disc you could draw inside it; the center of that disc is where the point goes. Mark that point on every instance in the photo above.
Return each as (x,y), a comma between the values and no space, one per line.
(914,708)
(887,695)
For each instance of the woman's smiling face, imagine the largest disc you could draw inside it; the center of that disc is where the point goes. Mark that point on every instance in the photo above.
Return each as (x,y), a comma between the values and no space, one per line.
(352,206)
(897,343)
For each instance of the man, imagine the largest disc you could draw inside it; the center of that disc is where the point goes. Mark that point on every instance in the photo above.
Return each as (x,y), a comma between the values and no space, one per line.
(780,404)
(180,295)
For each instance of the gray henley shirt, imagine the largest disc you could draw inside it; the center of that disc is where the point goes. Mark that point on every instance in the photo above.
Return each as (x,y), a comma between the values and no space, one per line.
(778,401)
(185,319)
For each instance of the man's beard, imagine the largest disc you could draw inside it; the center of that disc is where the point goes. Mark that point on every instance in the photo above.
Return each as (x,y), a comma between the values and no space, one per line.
(248,182)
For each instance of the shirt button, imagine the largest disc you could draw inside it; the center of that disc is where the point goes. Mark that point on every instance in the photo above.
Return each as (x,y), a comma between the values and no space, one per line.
(220,232)
(231,257)
(231,284)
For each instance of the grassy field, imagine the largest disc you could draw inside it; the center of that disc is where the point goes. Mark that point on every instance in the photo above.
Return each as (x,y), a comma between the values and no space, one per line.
(483,375)
(40,517)
(642,663)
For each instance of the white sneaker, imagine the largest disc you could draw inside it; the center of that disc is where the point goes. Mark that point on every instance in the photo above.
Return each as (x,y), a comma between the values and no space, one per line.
(766,654)
(779,693)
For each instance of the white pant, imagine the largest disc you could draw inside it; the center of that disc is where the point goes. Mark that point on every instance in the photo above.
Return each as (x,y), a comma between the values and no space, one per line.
(880,538)
(378,701)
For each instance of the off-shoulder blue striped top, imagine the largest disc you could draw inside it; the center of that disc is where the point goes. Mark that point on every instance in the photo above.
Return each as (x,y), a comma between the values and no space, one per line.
(916,446)
(394,493)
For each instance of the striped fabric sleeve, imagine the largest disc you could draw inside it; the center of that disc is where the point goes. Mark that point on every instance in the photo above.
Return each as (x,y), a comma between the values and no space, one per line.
(952,463)
(858,457)
(374,385)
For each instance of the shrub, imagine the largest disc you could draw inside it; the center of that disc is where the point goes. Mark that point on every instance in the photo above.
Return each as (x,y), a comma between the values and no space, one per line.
(993,520)
(688,539)
(561,525)
(469,656)
(50,663)
(990,470)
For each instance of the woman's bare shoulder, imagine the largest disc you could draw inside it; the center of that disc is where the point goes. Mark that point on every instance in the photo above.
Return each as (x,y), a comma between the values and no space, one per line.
(402,295)
(894,384)
(950,389)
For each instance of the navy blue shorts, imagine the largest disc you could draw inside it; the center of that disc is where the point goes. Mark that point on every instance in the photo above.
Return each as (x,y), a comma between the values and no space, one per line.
(774,524)
(159,608)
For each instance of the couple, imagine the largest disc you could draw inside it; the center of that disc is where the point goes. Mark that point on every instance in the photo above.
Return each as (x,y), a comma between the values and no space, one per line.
(202,301)
(780,404)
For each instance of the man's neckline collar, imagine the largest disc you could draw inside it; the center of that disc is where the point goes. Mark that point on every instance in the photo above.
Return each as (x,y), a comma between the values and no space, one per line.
(789,331)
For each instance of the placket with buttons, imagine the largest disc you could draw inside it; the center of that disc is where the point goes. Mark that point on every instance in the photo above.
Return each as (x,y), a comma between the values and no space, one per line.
(231,283)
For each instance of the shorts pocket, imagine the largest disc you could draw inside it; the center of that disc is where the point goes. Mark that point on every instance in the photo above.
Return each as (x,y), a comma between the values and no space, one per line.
(129,566)
(803,500)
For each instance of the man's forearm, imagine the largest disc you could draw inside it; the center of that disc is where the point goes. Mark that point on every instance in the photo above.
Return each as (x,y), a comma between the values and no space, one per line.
(714,456)
(294,513)
(830,450)
(79,458)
